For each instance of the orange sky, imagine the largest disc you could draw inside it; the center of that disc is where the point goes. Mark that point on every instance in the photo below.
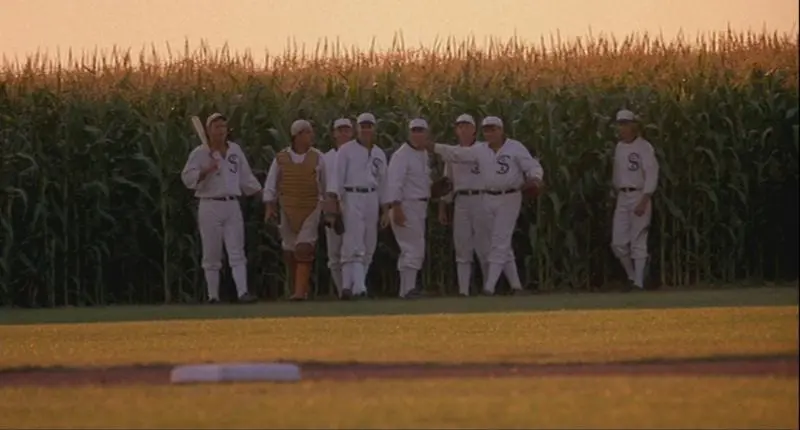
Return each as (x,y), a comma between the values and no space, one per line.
(28,25)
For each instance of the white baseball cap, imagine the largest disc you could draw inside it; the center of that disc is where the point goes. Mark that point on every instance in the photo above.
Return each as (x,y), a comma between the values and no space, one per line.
(626,116)
(213,117)
(465,118)
(342,122)
(417,123)
(366,117)
(492,121)
(299,126)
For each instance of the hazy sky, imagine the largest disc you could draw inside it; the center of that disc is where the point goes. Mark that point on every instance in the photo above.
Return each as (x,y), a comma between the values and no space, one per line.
(26,25)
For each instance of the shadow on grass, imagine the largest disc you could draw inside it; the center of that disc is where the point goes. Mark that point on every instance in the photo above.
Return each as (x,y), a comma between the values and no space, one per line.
(723,297)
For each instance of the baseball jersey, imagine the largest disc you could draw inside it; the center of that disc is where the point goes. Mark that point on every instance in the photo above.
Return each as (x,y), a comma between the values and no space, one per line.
(232,178)
(409,175)
(359,167)
(464,176)
(271,184)
(506,169)
(635,166)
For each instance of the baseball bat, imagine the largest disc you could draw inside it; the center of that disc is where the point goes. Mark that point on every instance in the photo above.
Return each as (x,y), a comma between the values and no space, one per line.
(199,129)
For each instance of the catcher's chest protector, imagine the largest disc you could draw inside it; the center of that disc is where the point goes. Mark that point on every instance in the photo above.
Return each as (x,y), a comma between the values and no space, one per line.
(297,187)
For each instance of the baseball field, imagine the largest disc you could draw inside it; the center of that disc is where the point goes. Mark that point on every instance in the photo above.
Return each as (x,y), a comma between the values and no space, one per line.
(707,358)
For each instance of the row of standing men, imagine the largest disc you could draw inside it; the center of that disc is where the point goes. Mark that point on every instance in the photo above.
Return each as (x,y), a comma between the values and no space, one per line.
(354,191)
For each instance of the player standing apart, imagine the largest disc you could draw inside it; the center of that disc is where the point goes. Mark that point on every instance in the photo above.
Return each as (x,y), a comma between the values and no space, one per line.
(635,179)
(506,167)
(219,173)
(342,133)
(408,190)
(469,224)
(360,187)
(296,180)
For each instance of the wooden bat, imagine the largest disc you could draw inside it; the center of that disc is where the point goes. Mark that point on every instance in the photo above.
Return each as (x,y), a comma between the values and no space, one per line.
(199,129)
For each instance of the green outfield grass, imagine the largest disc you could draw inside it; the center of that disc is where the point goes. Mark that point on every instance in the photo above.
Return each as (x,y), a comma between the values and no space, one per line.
(607,402)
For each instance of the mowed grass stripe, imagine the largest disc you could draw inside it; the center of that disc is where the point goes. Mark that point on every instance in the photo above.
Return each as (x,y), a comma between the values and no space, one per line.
(540,337)
(607,402)
(773,296)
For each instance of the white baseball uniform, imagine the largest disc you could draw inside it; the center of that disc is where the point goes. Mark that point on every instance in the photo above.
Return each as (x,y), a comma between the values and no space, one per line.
(219,214)
(409,185)
(503,173)
(310,229)
(635,174)
(360,184)
(469,220)
(333,240)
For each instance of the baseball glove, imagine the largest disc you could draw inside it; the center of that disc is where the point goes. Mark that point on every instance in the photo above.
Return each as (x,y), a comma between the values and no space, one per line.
(334,221)
(532,189)
(441,187)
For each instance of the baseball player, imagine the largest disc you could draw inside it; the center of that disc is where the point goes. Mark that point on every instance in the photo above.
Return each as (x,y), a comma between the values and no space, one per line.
(360,186)
(635,179)
(342,133)
(469,225)
(505,167)
(296,180)
(408,191)
(219,173)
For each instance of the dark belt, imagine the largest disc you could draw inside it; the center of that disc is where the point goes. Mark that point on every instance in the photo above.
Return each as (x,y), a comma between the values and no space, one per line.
(420,199)
(498,193)
(469,192)
(629,190)
(359,189)
(220,199)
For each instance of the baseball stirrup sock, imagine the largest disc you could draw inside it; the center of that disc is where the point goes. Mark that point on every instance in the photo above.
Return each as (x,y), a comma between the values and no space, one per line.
(639,265)
(627,264)
(240,279)
(336,276)
(464,271)
(495,270)
(511,274)
(358,277)
(347,277)
(212,284)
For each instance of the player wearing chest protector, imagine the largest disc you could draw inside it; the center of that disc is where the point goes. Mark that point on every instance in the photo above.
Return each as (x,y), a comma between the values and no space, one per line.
(469,223)
(219,173)
(360,187)
(408,190)
(635,179)
(342,133)
(506,167)
(296,182)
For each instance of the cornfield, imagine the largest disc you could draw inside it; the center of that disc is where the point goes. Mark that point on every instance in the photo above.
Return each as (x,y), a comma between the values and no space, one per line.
(92,209)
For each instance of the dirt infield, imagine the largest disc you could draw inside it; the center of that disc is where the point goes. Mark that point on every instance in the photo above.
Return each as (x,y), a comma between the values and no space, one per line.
(776,366)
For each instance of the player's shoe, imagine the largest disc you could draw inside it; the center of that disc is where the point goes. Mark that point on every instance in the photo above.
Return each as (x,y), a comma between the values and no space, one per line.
(247,298)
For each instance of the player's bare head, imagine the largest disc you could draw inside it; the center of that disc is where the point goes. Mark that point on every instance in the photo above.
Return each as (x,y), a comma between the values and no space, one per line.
(342,131)
(492,128)
(302,135)
(418,133)
(366,127)
(465,128)
(217,128)
(627,125)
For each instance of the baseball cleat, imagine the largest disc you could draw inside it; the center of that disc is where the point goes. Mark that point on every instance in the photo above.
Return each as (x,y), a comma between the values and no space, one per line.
(247,298)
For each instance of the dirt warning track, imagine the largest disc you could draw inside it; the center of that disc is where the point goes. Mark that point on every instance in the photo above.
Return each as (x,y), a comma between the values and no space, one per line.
(775,366)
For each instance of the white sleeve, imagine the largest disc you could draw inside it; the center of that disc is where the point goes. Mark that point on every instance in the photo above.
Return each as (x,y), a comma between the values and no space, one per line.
(530,166)
(650,170)
(385,181)
(190,175)
(456,154)
(271,184)
(247,180)
(395,177)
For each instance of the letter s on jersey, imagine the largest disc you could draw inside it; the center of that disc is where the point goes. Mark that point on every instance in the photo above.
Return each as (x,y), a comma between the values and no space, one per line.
(634,162)
(233,159)
(503,164)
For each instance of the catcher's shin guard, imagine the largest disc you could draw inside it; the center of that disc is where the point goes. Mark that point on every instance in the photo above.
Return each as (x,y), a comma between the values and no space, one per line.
(304,257)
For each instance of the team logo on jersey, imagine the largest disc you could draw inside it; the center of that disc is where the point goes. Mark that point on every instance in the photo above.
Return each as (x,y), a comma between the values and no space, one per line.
(634,162)
(233,160)
(475,170)
(376,167)
(503,164)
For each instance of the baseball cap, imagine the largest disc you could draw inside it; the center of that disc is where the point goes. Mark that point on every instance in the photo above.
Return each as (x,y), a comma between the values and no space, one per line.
(366,117)
(213,117)
(492,121)
(465,118)
(342,122)
(299,126)
(626,116)
(417,123)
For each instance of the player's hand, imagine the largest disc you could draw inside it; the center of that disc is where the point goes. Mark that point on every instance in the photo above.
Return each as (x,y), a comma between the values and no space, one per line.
(270,212)
(385,219)
(443,219)
(642,206)
(398,216)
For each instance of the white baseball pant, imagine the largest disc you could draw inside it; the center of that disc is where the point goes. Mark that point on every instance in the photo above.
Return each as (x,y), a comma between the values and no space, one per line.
(629,235)
(411,240)
(220,222)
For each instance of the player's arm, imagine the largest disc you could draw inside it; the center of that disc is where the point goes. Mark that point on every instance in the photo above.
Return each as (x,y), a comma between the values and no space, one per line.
(456,154)
(194,172)
(651,170)
(337,176)
(270,194)
(447,198)
(247,180)
(530,166)
(395,176)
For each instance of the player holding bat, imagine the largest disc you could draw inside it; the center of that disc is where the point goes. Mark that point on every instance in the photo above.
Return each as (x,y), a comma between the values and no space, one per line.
(218,173)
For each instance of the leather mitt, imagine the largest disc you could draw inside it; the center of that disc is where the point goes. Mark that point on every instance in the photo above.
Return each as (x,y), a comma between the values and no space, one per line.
(441,187)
